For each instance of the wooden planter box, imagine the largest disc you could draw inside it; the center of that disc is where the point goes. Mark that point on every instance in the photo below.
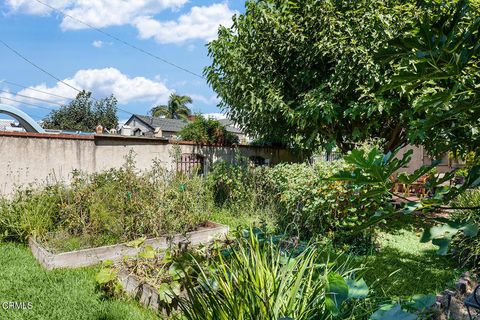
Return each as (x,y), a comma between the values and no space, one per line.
(144,293)
(93,256)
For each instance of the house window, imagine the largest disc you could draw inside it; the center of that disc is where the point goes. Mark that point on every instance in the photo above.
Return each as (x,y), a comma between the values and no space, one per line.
(191,164)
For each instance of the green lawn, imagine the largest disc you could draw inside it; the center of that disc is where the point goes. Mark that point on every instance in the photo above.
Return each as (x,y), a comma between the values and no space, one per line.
(58,294)
(404,266)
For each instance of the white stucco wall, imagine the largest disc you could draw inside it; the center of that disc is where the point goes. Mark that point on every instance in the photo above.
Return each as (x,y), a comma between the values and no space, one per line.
(34,158)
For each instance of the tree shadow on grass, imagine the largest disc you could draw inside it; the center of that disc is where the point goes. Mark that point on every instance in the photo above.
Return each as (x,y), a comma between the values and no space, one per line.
(416,222)
(393,272)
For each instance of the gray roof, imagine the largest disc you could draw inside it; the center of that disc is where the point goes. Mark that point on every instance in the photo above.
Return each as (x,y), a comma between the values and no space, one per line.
(172,125)
(175,125)
(230,126)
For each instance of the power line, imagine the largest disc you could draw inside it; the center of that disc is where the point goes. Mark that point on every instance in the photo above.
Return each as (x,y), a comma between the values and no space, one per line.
(30,97)
(33,89)
(49,73)
(122,41)
(37,66)
(29,104)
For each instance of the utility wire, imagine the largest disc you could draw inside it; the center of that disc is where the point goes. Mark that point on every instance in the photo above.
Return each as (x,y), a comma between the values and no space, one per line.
(122,41)
(33,89)
(30,104)
(34,98)
(49,73)
(37,66)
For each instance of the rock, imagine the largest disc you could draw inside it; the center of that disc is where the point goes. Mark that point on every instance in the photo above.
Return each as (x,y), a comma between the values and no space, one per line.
(461,286)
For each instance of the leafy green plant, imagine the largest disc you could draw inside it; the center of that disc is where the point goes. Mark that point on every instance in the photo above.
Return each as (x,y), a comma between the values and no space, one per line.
(414,308)
(207,131)
(375,169)
(309,203)
(435,65)
(256,278)
(237,182)
(106,279)
(466,250)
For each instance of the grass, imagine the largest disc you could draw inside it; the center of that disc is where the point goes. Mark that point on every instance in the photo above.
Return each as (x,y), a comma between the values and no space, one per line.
(401,268)
(241,219)
(58,294)
(404,267)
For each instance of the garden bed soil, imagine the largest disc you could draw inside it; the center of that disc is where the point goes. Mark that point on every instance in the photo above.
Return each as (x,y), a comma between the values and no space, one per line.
(88,257)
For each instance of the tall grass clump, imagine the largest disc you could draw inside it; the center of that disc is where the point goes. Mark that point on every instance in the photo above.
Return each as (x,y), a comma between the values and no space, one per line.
(258,278)
(30,212)
(466,250)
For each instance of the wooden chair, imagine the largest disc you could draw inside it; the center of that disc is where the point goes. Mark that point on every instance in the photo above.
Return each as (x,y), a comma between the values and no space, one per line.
(418,187)
(397,186)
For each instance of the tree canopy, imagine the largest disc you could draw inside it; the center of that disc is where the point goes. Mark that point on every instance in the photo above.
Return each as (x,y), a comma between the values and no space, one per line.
(207,131)
(176,108)
(313,73)
(84,114)
(437,66)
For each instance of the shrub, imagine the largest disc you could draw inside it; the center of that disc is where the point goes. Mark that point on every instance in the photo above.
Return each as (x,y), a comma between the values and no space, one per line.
(301,197)
(208,131)
(30,212)
(466,250)
(310,203)
(238,182)
(108,207)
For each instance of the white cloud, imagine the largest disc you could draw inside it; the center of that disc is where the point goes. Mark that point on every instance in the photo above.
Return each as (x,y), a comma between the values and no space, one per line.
(98,13)
(97,43)
(200,23)
(102,83)
(36,8)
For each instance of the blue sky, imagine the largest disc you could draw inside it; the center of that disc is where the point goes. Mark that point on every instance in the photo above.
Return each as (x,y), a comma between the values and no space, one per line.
(176,30)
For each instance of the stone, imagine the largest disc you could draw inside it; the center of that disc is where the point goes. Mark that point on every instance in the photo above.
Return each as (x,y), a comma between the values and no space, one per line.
(461,286)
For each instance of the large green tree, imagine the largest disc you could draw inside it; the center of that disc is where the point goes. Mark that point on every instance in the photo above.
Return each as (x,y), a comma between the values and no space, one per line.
(310,73)
(176,108)
(437,67)
(84,114)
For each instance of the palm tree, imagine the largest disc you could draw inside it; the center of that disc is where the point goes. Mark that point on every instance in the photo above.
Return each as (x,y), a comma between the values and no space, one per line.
(175,109)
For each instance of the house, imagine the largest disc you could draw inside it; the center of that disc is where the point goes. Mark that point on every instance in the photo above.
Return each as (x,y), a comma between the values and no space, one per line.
(139,125)
(230,127)
(153,126)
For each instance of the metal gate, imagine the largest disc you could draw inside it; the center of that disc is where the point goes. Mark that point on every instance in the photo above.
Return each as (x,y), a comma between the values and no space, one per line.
(191,164)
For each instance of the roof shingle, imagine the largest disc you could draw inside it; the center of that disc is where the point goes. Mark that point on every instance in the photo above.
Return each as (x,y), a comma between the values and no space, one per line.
(175,125)
(172,125)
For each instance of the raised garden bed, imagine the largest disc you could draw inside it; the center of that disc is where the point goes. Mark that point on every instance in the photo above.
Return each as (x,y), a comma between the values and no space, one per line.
(146,294)
(88,257)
